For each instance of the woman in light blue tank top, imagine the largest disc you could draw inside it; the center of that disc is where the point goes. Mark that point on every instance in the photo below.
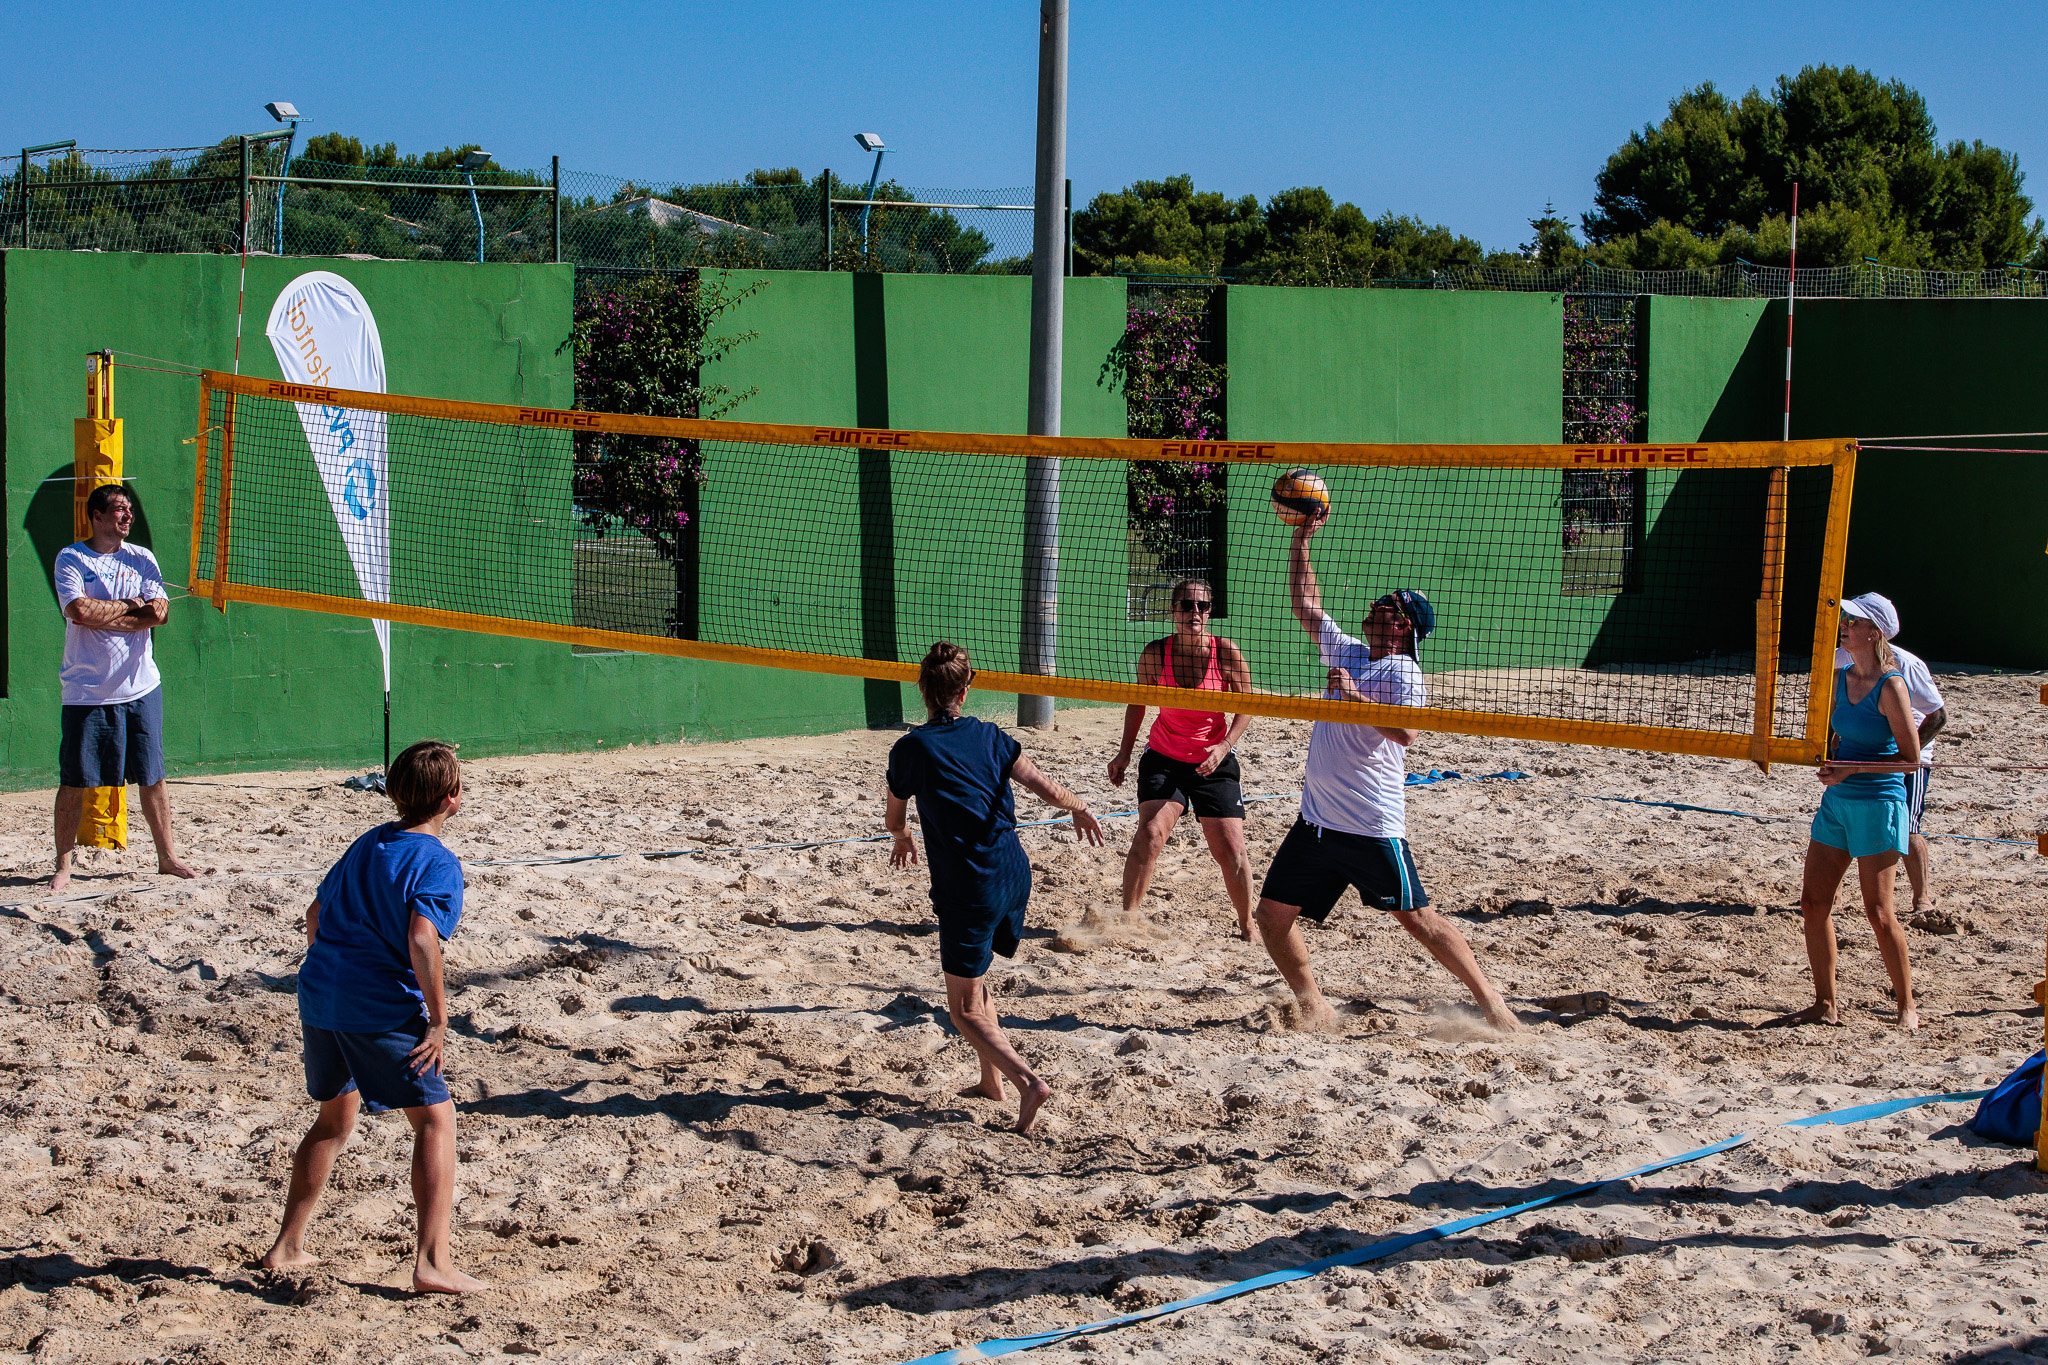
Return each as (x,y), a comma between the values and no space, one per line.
(1862,819)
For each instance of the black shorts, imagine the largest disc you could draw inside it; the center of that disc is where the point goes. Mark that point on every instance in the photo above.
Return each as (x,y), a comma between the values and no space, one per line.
(1314,865)
(1916,795)
(1218,796)
(114,744)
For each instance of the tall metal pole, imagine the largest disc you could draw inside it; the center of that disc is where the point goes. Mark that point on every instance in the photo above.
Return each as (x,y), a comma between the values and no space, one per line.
(1791,302)
(1039,653)
(555,179)
(825,213)
(284,172)
(476,209)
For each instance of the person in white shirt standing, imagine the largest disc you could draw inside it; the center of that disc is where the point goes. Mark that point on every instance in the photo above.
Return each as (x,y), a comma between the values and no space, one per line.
(1930,714)
(1353,829)
(112,594)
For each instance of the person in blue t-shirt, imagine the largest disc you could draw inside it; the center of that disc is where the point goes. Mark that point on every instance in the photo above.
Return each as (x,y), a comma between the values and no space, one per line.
(958,769)
(372,1013)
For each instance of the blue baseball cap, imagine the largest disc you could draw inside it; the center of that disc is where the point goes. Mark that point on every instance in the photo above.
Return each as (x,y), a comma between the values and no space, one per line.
(1419,612)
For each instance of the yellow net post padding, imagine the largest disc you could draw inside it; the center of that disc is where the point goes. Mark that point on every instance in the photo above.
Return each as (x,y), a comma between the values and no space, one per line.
(1586,594)
(96,461)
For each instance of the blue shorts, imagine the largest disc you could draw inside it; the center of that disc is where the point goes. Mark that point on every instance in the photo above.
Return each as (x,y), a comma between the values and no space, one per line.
(1314,865)
(375,1065)
(113,745)
(969,938)
(1862,827)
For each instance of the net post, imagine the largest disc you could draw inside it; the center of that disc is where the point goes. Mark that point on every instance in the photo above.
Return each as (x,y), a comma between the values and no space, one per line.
(1834,559)
(199,481)
(226,507)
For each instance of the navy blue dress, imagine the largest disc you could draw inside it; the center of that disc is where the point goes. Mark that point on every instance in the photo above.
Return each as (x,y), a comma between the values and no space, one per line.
(957,770)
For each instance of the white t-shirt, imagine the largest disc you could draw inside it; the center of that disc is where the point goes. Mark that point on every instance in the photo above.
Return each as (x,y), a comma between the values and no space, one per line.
(105,667)
(1356,779)
(1923,698)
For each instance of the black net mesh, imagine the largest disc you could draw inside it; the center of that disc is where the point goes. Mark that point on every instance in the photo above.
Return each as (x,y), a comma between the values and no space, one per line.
(1627,595)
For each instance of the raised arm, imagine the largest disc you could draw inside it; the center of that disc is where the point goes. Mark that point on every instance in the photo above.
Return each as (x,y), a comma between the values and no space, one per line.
(1025,774)
(1304,595)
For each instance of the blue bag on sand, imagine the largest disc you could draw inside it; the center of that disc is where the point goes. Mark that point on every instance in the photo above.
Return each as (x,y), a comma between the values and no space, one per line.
(2012,1113)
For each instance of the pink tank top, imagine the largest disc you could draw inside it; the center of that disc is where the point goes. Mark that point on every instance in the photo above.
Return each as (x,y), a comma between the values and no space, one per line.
(1188,735)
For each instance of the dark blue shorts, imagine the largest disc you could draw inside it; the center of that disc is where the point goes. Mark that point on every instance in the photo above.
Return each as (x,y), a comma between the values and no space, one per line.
(113,745)
(969,938)
(1314,865)
(375,1065)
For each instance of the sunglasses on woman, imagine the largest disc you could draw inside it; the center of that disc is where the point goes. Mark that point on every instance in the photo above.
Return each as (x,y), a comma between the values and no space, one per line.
(1195,604)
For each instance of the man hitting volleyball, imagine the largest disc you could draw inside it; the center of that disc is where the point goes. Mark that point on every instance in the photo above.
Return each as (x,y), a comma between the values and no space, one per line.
(1352,830)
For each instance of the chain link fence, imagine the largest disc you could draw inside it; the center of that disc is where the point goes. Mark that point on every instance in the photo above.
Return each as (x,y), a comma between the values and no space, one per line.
(191,199)
(1737,280)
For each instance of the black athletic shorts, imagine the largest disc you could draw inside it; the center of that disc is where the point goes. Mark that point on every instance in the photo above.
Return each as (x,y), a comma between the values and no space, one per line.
(1314,865)
(1218,796)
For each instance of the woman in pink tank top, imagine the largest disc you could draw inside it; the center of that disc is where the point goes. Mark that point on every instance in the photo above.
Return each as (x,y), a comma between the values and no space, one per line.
(1188,759)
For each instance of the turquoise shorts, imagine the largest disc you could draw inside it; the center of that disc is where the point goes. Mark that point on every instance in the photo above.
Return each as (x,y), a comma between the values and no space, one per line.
(1863,827)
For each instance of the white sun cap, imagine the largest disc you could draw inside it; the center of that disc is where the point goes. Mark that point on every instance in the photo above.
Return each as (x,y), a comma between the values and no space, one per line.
(1876,609)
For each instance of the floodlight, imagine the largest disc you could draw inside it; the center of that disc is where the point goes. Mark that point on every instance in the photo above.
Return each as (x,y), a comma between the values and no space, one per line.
(869,142)
(474,161)
(282,112)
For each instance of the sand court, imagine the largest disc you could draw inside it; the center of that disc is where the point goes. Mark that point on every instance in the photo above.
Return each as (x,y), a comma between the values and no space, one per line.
(707,1105)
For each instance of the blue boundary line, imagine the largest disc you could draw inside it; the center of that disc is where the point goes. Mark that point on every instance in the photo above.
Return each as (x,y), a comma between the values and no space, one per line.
(1392,1246)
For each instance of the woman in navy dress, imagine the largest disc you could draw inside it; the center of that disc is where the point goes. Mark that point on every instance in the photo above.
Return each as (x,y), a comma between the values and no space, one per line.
(958,769)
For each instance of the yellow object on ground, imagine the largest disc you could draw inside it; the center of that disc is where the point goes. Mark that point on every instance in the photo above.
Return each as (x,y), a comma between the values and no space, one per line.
(104,822)
(95,441)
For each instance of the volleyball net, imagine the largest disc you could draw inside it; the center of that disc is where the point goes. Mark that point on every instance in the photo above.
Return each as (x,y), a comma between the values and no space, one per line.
(1680,598)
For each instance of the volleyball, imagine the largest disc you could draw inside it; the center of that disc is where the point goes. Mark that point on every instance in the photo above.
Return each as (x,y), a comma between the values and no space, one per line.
(1298,495)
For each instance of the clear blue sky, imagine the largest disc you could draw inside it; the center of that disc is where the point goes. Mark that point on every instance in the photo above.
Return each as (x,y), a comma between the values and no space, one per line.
(1463,112)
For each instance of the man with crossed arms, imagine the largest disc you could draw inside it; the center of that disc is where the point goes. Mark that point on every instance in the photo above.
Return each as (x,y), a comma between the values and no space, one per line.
(112,594)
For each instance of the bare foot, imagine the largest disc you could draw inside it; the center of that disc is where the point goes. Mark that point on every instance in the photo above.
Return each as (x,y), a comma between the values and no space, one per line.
(172,867)
(427,1280)
(1502,1018)
(1244,928)
(987,1089)
(1314,1016)
(60,879)
(279,1258)
(1909,1019)
(1030,1103)
(1819,1012)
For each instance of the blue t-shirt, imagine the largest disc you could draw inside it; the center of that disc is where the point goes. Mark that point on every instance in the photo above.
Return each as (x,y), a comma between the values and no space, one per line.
(357,976)
(958,770)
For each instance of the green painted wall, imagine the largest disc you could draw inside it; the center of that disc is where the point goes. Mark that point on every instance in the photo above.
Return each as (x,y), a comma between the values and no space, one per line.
(1956,540)
(1406,366)
(265,687)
